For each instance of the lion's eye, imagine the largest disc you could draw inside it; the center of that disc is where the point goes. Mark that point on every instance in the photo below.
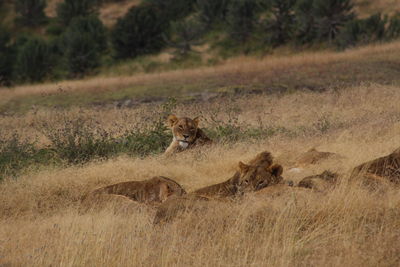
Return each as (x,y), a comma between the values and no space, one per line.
(181,127)
(193,129)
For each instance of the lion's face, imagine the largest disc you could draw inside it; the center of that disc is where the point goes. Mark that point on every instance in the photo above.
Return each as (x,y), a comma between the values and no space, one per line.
(184,130)
(256,177)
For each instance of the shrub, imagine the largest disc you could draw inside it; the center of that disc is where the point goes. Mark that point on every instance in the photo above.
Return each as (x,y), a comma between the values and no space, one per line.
(280,26)
(305,28)
(212,10)
(330,15)
(7,57)
(33,62)
(241,19)
(362,31)
(185,33)
(31,12)
(139,32)
(17,154)
(393,30)
(79,141)
(173,9)
(70,9)
(152,140)
(84,40)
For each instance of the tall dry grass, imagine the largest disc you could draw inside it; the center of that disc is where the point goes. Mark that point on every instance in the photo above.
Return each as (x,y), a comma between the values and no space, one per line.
(41,223)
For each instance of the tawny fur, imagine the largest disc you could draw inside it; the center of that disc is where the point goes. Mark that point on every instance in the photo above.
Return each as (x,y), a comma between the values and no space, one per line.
(320,182)
(384,168)
(152,191)
(313,156)
(186,134)
(248,178)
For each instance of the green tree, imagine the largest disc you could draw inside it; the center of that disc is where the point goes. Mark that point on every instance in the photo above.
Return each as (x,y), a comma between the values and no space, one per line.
(185,34)
(212,10)
(33,62)
(393,30)
(362,31)
(30,12)
(281,24)
(173,9)
(139,32)
(330,15)
(70,9)
(305,25)
(7,57)
(84,40)
(242,19)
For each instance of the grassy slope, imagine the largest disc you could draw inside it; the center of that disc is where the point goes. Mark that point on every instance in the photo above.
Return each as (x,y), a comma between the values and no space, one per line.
(41,222)
(314,71)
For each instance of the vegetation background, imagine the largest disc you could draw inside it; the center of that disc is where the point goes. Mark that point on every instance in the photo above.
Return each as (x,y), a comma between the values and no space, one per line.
(86,88)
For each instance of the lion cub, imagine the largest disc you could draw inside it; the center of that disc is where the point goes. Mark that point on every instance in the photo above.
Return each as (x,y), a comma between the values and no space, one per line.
(152,191)
(186,134)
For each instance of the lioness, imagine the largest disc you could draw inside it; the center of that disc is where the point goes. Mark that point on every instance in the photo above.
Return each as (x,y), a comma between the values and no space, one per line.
(320,182)
(248,178)
(383,168)
(152,191)
(186,134)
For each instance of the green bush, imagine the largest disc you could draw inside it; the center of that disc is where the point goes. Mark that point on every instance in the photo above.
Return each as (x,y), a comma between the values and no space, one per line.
(139,32)
(152,140)
(79,141)
(393,30)
(17,154)
(330,16)
(212,11)
(70,9)
(84,41)
(281,24)
(34,60)
(173,9)
(31,12)
(185,34)
(305,26)
(241,19)
(7,57)
(362,31)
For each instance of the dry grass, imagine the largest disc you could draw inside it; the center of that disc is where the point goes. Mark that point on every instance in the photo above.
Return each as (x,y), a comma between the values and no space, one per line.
(41,223)
(368,7)
(108,12)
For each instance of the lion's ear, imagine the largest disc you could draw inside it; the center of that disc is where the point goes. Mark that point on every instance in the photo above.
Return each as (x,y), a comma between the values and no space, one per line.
(276,170)
(196,121)
(243,168)
(172,119)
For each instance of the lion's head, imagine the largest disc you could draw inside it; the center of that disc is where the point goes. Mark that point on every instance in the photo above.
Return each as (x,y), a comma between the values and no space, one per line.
(183,129)
(255,177)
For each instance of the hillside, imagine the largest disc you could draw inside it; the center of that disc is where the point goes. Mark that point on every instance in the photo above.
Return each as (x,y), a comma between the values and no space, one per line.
(309,71)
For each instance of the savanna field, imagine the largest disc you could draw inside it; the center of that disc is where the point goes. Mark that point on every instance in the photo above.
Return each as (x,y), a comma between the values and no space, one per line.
(86,87)
(355,113)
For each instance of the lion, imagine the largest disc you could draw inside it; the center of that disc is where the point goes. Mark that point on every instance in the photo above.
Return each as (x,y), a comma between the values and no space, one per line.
(313,156)
(186,134)
(384,169)
(248,178)
(320,182)
(152,191)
